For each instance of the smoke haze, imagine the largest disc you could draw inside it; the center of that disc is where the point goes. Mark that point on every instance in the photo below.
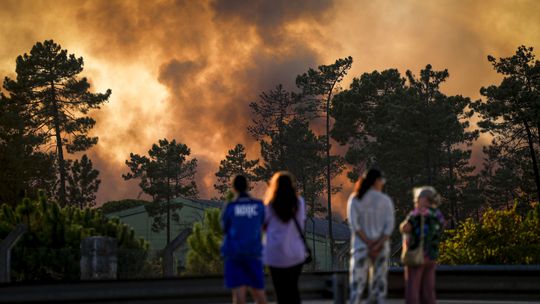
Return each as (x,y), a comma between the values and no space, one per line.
(188,69)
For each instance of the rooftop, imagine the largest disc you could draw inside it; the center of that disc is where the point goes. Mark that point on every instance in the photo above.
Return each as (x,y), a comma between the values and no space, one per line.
(317,225)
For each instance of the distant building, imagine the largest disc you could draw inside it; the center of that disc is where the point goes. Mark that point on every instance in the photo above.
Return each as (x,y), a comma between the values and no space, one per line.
(190,211)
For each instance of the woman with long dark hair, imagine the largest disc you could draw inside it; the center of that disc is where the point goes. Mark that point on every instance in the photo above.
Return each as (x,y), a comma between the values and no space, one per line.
(284,251)
(371,220)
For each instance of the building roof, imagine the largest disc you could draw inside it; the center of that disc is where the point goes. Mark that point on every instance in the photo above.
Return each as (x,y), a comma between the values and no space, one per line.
(340,231)
(200,204)
(319,226)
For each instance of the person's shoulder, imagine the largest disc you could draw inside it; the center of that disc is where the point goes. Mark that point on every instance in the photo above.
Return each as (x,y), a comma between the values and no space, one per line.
(260,204)
(352,198)
(228,206)
(257,201)
(436,212)
(382,196)
(414,213)
(247,200)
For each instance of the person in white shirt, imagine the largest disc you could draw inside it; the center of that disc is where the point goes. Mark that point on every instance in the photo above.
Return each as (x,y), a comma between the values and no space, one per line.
(371,220)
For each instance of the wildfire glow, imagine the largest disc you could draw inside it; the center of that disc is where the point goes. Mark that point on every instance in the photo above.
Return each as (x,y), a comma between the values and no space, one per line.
(188,70)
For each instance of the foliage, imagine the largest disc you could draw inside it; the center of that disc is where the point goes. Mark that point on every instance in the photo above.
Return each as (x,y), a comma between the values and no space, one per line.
(25,168)
(235,163)
(304,156)
(500,237)
(50,248)
(511,114)
(274,110)
(281,125)
(203,256)
(409,129)
(57,100)
(165,174)
(117,206)
(82,183)
(318,86)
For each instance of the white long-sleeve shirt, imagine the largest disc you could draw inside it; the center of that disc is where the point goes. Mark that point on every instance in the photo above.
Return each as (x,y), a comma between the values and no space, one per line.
(373,214)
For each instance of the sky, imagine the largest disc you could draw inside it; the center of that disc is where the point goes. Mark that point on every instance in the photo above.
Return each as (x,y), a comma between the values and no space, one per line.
(187,70)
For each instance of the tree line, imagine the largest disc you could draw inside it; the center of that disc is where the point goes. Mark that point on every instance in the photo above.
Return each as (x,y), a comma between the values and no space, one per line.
(402,123)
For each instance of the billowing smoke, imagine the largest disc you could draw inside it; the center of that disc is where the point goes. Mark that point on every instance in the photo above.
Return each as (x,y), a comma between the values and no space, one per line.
(188,69)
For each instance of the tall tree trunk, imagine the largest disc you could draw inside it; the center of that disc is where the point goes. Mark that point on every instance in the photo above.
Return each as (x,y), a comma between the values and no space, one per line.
(533,159)
(429,165)
(328,181)
(280,137)
(538,131)
(312,203)
(168,203)
(168,220)
(452,194)
(59,147)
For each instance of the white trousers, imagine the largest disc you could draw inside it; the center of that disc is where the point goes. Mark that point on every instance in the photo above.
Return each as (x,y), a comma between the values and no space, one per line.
(362,268)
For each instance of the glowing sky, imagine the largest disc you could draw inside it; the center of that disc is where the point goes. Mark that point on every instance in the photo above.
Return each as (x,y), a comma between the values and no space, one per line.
(188,69)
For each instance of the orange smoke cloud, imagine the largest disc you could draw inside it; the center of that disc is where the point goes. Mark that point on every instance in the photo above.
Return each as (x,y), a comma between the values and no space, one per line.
(188,69)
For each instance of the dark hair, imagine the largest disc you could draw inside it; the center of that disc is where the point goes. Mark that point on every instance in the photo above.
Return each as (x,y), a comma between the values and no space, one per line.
(240,183)
(282,196)
(366,182)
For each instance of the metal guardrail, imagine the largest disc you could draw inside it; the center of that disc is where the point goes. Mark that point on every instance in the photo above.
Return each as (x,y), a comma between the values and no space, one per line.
(460,282)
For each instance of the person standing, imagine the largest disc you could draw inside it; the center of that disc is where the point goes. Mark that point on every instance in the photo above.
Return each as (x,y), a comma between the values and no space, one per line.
(371,220)
(420,279)
(284,250)
(242,222)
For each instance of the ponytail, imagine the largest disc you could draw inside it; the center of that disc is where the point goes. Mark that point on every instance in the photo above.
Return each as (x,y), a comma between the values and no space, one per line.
(366,182)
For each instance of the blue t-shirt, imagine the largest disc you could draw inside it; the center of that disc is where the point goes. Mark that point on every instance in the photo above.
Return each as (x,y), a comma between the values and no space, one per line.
(242,223)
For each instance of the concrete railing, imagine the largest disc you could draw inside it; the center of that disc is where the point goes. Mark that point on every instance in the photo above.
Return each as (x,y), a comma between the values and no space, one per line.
(461,282)
(5,251)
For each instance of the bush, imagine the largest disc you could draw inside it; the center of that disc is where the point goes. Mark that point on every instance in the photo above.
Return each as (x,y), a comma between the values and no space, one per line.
(203,255)
(501,237)
(50,250)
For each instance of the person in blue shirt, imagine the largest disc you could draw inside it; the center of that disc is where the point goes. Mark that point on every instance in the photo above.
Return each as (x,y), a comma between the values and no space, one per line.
(242,222)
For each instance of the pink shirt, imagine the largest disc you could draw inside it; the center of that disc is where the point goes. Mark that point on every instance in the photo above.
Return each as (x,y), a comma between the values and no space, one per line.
(283,245)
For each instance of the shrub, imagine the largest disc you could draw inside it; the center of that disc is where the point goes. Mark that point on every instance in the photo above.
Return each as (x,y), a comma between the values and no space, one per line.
(203,255)
(501,237)
(50,250)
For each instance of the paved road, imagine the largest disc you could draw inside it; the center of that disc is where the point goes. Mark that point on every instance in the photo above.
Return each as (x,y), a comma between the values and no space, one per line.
(397,301)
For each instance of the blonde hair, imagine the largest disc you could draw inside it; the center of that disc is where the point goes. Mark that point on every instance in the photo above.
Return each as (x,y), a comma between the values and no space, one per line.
(428,192)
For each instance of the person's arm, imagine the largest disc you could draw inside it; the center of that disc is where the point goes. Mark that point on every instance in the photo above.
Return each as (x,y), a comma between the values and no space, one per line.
(266,217)
(352,215)
(441,219)
(405,227)
(390,220)
(363,237)
(262,215)
(377,245)
(225,220)
(301,213)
